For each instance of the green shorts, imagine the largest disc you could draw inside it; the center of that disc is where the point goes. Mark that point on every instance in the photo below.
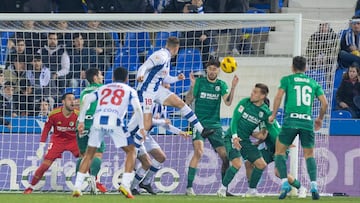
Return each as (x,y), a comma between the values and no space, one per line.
(216,140)
(307,137)
(83,143)
(249,151)
(230,151)
(268,155)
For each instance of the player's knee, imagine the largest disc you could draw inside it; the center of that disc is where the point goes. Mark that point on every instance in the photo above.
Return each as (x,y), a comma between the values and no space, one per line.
(198,153)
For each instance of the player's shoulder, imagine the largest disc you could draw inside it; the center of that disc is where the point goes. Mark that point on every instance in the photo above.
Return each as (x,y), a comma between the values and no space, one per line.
(76,111)
(55,111)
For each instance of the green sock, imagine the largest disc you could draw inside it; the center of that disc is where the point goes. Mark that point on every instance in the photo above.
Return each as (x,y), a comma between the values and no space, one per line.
(311,168)
(280,164)
(78,162)
(191,176)
(95,166)
(255,177)
(296,184)
(229,175)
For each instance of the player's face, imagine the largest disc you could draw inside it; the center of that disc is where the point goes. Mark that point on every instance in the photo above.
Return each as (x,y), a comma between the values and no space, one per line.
(69,102)
(100,78)
(256,95)
(174,51)
(212,72)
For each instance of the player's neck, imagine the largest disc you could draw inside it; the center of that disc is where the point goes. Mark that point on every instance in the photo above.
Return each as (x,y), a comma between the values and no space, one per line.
(66,112)
(258,103)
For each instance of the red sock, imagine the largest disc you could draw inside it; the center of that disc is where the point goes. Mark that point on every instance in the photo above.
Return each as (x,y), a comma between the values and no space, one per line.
(39,173)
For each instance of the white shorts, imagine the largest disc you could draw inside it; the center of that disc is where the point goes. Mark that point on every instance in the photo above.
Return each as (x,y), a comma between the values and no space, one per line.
(119,137)
(149,97)
(148,145)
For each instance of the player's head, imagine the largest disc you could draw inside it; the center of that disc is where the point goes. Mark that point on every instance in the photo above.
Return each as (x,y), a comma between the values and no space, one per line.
(94,75)
(173,44)
(299,64)
(212,69)
(120,75)
(68,101)
(259,93)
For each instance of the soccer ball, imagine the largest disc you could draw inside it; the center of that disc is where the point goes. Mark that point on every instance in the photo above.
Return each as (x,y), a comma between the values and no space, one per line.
(228,64)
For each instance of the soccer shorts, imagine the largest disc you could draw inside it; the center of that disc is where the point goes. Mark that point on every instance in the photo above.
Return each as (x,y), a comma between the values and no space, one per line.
(149,97)
(307,137)
(249,151)
(216,140)
(119,135)
(55,149)
(83,143)
(230,151)
(148,145)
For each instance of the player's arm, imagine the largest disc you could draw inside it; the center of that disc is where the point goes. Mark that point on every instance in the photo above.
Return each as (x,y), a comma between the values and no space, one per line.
(173,79)
(189,97)
(138,114)
(323,108)
(155,59)
(234,125)
(84,106)
(228,98)
(277,101)
(44,134)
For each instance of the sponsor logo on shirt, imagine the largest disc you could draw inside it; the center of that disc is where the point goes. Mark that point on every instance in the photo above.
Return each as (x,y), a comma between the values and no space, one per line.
(204,95)
(251,118)
(65,128)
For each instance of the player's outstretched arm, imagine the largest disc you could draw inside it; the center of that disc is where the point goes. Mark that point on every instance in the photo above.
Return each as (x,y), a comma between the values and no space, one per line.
(228,98)
(323,108)
(276,105)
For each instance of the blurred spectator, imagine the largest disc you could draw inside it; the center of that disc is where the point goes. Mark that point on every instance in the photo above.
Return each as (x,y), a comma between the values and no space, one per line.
(197,39)
(57,59)
(16,71)
(24,100)
(322,47)
(33,6)
(226,6)
(7,108)
(176,6)
(39,77)
(18,49)
(2,78)
(348,94)
(82,58)
(64,37)
(156,6)
(11,6)
(116,6)
(357,8)
(43,108)
(350,44)
(102,43)
(70,6)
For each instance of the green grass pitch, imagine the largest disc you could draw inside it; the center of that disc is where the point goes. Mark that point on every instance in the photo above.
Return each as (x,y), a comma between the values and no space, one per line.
(116,198)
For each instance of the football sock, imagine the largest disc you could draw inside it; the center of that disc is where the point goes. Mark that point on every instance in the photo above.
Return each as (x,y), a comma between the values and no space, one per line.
(191,177)
(191,117)
(255,177)
(229,175)
(280,164)
(95,166)
(311,168)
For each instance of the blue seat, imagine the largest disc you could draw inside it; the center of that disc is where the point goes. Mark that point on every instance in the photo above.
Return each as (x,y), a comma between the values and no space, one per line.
(108,75)
(127,58)
(343,114)
(333,102)
(338,76)
(161,37)
(139,40)
(117,42)
(189,59)
(4,37)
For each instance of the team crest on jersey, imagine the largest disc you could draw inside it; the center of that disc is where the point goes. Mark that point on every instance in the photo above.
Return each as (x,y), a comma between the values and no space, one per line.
(241,108)
(261,114)
(217,88)
(71,124)
(59,122)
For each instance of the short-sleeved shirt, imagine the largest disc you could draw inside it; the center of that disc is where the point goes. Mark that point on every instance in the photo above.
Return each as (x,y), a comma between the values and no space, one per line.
(300,91)
(207,101)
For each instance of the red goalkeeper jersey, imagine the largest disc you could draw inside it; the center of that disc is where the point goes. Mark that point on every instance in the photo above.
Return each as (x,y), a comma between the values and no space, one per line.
(64,127)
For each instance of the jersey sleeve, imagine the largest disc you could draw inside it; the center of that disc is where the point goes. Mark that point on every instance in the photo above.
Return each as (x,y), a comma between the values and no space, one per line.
(155,59)
(284,83)
(85,104)
(236,117)
(318,91)
(47,128)
(224,88)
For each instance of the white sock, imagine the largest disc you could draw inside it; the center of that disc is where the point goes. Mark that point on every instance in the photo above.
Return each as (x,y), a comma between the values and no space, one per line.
(151,172)
(191,117)
(139,176)
(126,179)
(80,177)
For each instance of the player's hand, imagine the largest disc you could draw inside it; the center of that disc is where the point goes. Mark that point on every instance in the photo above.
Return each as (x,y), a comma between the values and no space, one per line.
(184,134)
(143,134)
(235,81)
(181,76)
(318,124)
(192,79)
(140,78)
(271,119)
(236,143)
(80,129)
(40,150)
(167,121)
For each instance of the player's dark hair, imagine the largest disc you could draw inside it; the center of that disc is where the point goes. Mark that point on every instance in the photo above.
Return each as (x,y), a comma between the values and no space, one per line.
(213,62)
(299,63)
(263,88)
(65,95)
(90,73)
(120,74)
(172,41)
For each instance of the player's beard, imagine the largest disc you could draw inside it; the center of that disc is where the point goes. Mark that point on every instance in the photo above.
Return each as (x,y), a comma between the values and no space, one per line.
(212,77)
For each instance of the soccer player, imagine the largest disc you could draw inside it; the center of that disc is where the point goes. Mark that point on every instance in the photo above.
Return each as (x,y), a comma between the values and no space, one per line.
(95,78)
(63,120)
(248,114)
(300,91)
(112,103)
(151,75)
(207,92)
(144,174)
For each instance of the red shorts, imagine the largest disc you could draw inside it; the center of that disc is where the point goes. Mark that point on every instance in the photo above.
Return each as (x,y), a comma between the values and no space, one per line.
(55,149)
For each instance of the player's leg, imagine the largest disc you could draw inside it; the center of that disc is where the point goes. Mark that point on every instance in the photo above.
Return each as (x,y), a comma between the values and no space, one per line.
(170,99)
(296,184)
(95,168)
(198,145)
(307,140)
(284,140)
(39,173)
(128,176)
(140,173)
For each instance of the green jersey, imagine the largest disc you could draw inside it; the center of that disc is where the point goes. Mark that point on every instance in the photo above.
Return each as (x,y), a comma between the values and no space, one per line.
(207,101)
(90,112)
(300,91)
(247,117)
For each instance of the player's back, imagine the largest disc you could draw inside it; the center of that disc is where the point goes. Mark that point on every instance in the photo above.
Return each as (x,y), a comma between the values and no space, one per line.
(112,103)
(153,77)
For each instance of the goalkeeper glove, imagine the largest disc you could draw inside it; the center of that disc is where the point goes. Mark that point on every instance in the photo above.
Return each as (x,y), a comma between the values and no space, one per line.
(40,150)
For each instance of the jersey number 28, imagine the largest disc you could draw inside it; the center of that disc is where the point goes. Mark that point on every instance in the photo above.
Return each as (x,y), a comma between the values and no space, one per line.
(111,96)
